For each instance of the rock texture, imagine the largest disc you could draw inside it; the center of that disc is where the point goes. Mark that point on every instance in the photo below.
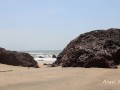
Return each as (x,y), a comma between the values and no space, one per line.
(17,58)
(99,48)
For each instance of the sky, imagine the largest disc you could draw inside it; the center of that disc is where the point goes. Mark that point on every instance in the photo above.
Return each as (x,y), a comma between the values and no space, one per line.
(52,24)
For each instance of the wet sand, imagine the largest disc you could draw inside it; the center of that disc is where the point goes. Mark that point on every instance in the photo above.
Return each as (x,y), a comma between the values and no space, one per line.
(58,78)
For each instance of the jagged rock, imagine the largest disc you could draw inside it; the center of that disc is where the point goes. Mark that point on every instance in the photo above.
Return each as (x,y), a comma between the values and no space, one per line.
(99,48)
(17,58)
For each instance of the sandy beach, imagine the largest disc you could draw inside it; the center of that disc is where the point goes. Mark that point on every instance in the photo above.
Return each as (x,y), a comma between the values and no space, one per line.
(58,78)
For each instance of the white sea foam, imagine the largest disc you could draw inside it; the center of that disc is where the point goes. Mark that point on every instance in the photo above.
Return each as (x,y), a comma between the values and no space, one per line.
(47,55)
(45,59)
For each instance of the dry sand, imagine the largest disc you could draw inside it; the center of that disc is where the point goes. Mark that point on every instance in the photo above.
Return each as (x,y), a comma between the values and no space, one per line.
(57,78)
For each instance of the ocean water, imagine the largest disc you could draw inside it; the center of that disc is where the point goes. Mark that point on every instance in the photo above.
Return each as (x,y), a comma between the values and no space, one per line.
(44,55)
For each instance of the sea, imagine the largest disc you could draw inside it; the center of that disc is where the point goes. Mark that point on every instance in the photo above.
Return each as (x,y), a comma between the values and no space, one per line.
(44,55)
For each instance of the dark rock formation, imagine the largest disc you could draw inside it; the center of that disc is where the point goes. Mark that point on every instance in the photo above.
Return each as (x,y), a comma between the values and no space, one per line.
(54,56)
(17,58)
(99,48)
(40,57)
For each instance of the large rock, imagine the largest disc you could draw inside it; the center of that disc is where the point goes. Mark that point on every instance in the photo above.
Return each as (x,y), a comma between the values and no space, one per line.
(99,48)
(17,58)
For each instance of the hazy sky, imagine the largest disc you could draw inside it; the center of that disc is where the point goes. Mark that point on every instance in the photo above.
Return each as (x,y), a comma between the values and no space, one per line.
(52,24)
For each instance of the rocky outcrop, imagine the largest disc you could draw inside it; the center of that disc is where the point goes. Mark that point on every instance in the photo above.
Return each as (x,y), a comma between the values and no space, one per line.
(17,58)
(54,56)
(99,48)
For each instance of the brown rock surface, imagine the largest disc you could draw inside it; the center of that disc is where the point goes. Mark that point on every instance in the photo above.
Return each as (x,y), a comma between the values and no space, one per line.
(99,48)
(17,58)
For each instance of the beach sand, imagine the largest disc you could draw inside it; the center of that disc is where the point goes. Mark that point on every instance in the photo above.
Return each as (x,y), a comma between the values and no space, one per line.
(58,78)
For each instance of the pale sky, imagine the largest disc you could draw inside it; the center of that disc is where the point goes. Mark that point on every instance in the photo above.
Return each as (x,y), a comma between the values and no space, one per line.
(52,24)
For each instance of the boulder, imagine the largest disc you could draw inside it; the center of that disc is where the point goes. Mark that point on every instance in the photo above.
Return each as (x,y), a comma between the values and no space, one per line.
(17,58)
(98,48)
(54,56)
